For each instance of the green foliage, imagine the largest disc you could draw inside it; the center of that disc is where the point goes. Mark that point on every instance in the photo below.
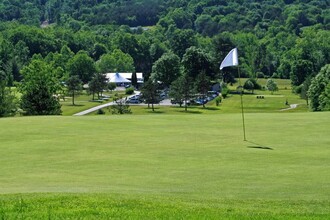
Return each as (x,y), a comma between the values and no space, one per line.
(248,85)
(74,86)
(166,69)
(100,112)
(218,100)
(98,83)
(196,61)
(39,89)
(129,91)
(181,90)
(271,85)
(7,99)
(150,93)
(121,107)
(83,66)
(318,92)
(112,86)
(117,61)
(202,85)
(284,39)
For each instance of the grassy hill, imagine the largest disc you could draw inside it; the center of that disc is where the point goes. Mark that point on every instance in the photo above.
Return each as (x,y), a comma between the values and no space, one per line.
(166,166)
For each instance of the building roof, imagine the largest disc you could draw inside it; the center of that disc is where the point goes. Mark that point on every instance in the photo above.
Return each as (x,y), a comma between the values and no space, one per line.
(128,76)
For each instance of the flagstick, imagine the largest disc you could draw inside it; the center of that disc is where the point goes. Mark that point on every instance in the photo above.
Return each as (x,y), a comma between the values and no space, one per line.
(240,85)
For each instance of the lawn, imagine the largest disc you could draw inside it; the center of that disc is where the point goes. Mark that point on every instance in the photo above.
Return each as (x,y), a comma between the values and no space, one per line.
(271,103)
(166,166)
(84,102)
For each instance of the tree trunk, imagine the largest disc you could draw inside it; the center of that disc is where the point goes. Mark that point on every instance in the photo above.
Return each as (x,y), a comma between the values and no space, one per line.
(73,98)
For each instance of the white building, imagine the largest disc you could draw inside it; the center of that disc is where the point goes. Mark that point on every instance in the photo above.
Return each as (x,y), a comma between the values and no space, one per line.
(128,76)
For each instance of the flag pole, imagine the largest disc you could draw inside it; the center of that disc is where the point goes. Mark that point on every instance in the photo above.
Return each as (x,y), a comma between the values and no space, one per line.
(242,107)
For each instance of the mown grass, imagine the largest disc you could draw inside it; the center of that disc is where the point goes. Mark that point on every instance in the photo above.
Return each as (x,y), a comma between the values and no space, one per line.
(166,166)
(84,102)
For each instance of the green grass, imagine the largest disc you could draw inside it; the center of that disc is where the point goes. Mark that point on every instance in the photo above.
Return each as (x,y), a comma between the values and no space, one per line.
(166,166)
(84,102)
(271,103)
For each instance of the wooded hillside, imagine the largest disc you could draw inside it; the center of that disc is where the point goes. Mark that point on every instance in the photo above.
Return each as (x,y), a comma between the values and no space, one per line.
(285,38)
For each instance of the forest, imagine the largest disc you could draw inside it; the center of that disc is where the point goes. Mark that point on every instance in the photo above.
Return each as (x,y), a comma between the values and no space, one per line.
(275,38)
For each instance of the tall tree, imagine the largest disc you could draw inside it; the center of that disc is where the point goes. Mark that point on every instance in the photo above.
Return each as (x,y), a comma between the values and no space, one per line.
(196,61)
(271,85)
(202,85)
(74,86)
(39,88)
(166,69)
(7,99)
(150,93)
(117,61)
(82,65)
(318,92)
(248,46)
(182,89)
(98,83)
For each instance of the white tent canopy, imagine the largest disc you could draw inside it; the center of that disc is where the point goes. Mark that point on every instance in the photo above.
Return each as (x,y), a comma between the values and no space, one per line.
(117,78)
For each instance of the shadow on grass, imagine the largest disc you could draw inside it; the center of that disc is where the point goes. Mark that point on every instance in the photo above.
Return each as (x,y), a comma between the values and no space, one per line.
(211,108)
(156,112)
(258,146)
(197,109)
(75,105)
(190,111)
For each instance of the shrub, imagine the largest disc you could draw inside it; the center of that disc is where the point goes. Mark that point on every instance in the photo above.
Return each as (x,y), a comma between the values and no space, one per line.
(129,91)
(218,100)
(260,75)
(100,112)
(224,92)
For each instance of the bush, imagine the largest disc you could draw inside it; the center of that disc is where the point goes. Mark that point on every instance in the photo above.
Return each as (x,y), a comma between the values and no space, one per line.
(100,112)
(129,91)
(218,100)
(224,92)
(260,75)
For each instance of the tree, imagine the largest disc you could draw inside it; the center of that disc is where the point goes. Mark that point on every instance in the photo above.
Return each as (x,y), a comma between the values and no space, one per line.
(134,79)
(181,40)
(82,65)
(221,45)
(74,86)
(300,70)
(318,92)
(39,88)
(98,84)
(150,93)
(271,85)
(117,61)
(112,86)
(248,85)
(7,99)
(166,69)
(304,89)
(181,90)
(121,107)
(196,61)
(202,86)
(249,47)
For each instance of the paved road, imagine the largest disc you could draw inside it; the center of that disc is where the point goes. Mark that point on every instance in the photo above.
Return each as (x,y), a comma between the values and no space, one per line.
(164,102)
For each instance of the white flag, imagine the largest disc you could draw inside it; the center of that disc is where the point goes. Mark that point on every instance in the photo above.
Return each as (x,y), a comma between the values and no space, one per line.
(231,59)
